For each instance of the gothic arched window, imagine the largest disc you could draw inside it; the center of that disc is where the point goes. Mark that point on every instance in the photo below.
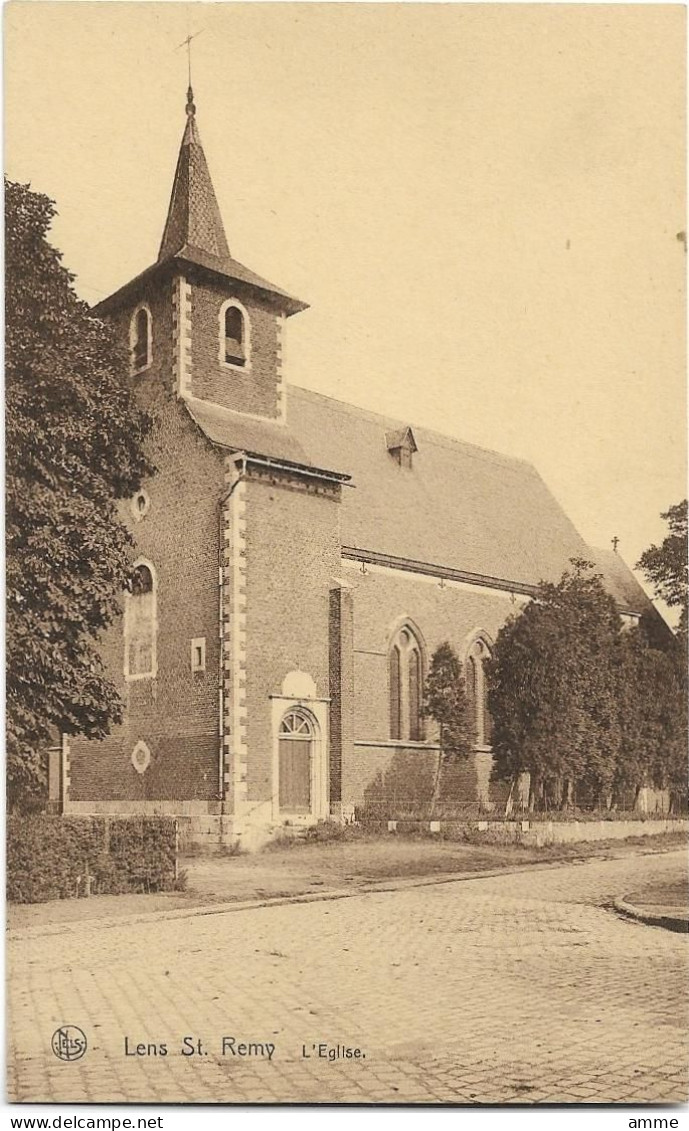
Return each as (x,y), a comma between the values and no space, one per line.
(140,624)
(477,692)
(234,334)
(405,677)
(140,339)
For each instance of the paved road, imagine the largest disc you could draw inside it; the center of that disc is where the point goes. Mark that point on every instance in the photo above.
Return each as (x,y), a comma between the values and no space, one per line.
(521,988)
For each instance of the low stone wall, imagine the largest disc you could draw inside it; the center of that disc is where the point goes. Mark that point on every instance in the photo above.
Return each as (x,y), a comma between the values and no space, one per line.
(141,808)
(568,832)
(539,833)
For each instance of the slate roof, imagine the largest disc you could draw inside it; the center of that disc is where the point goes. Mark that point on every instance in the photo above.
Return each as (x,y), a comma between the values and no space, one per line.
(193,215)
(232,269)
(226,268)
(239,432)
(621,582)
(459,506)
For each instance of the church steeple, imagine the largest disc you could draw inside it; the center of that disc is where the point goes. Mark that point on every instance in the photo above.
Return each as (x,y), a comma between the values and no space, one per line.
(227,321)
(193,219)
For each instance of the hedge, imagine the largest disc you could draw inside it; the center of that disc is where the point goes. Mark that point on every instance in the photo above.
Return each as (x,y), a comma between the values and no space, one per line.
(52,857)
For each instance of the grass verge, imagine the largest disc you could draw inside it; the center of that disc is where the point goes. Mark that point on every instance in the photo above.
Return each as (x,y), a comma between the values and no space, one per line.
(348,863)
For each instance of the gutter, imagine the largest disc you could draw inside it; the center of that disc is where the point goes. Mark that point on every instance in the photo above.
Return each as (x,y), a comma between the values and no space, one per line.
(299,469)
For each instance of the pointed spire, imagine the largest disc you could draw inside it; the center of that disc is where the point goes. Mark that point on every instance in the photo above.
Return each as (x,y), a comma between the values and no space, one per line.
(193,218)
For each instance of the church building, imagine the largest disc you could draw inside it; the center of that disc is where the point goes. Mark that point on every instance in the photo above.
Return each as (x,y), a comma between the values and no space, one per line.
(298,560)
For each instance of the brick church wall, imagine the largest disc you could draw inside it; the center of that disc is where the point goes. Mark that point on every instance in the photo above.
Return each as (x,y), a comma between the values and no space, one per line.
(295,614)
(252,389)
(380,773)
(158,297)
(292,555)
(176,714)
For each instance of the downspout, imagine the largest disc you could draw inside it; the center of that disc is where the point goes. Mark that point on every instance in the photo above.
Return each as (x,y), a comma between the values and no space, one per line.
(240,464)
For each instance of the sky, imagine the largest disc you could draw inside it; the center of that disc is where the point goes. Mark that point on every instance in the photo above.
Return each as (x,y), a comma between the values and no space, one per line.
(480,202)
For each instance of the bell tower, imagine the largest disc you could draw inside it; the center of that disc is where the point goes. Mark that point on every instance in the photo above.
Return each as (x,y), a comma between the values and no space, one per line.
(197,320)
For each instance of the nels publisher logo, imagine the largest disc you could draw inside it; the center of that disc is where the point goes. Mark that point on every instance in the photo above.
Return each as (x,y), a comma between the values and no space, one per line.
(69,1043)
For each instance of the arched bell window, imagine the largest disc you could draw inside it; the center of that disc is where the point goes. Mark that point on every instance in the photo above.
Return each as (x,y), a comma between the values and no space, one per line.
(477,692)
(406,675)
(140,339)
(234,334)
(141,624)
(295,748)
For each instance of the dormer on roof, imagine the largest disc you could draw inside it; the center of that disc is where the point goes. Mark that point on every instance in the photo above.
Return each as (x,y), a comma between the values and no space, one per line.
(401,444)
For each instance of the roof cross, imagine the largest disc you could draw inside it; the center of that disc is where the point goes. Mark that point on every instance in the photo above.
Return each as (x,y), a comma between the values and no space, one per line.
(615,543)
(187,43)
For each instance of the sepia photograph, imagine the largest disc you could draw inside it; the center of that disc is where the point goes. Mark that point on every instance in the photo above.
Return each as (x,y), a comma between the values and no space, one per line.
(346,555)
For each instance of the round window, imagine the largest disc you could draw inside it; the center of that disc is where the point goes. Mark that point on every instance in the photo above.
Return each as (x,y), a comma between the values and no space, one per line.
(141,757)
(140,505)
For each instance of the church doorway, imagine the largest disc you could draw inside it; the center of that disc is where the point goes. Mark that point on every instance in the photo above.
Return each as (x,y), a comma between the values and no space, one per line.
(295,761)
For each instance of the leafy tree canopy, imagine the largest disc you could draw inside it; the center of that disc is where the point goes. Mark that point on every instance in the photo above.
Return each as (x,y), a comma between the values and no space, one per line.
(592,711)
(652,698)
(73,448)
(666,566)
(552,691)
(445,701)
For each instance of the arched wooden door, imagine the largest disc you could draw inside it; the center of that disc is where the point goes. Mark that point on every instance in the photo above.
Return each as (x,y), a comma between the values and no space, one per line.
(295,752)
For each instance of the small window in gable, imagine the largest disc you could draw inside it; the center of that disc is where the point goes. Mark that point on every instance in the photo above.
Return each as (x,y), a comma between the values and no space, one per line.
(401,445)
(234,335)
(140,339)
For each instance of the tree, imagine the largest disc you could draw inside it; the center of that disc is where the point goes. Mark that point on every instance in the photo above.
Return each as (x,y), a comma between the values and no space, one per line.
(73,448)
(652,705)
(445,701)
(669,767)
(640,675)
(666,566)
(552,692)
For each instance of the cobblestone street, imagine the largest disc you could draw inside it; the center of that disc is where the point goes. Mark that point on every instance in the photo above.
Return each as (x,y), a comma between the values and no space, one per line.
(519,988)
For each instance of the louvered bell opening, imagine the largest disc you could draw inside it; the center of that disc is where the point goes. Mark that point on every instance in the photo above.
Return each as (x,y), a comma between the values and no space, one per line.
(234,352)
